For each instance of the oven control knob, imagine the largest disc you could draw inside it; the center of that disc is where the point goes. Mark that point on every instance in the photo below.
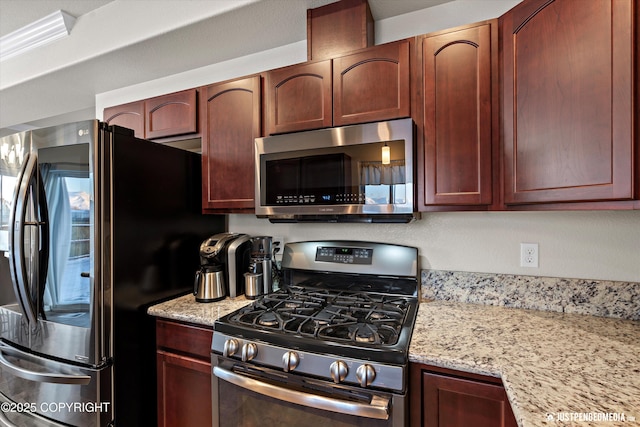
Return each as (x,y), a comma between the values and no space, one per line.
(290,361)
(230,347)
(365,375)
(339,371)
(249,351)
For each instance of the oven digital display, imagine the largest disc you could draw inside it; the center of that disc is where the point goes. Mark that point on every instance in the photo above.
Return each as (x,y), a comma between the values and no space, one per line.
(344,255)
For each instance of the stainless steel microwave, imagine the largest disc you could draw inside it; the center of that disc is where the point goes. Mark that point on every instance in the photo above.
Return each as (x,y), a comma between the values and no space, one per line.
(359,173)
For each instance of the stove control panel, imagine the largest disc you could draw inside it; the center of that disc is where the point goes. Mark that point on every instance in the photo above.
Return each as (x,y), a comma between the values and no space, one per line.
(337,369)
(344,255)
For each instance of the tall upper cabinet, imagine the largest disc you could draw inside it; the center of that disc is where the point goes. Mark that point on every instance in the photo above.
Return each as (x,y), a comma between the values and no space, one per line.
(459,83)
(230,120)
(567,101)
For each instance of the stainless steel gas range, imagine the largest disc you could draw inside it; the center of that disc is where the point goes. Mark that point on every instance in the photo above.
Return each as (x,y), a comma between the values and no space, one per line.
(330,346)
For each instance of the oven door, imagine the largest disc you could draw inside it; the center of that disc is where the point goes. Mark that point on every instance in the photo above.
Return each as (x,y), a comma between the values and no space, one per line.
(248,395)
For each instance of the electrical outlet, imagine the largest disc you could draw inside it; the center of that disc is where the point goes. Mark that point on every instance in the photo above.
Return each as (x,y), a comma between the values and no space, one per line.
(529,255)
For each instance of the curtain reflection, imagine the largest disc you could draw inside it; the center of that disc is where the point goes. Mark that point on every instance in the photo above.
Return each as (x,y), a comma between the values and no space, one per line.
(377,173)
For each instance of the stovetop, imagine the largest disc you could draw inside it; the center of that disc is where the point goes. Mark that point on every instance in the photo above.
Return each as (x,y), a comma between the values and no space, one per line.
(352,324)
(336,299)
(349,317)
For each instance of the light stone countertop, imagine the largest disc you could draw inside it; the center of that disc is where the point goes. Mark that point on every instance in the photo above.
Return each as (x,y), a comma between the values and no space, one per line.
(186,309)
(551,364)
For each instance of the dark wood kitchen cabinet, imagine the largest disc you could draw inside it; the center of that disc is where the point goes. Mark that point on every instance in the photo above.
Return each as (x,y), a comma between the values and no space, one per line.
(184,374)
(460,128)
(445,398)
(299,97)
(567,98)
(372,84)
(230,121)
(130,116)
(368,85)
(338,28)
(171,115)
(163,116)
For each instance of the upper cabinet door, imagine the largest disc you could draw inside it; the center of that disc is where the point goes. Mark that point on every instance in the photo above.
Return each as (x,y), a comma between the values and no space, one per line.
(567,101)
(230,123)
(299,97)
(372,85)
(459,68)
(130,116)
(171,115)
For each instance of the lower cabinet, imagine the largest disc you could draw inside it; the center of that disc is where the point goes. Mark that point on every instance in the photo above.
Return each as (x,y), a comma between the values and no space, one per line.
(444,398)
(184,374)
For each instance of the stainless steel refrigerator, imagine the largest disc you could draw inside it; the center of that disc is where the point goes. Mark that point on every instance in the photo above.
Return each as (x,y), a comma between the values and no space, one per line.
(95,226)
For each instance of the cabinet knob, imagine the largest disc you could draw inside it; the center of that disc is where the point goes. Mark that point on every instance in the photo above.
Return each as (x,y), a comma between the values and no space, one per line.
(249,351)
(230,347)
(339,371)
(365,375)
(290,361)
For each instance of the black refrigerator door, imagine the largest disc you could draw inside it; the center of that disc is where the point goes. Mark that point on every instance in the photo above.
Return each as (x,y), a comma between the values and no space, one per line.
(157,228)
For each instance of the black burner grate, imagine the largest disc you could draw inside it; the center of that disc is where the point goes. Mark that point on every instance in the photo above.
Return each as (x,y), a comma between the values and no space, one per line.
(344,316)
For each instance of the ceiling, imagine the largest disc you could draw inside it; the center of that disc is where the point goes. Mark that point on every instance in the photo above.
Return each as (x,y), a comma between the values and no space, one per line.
(119,43)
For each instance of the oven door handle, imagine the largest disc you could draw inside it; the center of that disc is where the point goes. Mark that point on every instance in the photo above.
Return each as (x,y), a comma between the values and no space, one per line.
(377,409)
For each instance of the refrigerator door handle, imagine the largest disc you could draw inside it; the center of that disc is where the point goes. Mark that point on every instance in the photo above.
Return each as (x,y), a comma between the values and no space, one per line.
(43,237)
(42,377)
(26,181)
(4,421)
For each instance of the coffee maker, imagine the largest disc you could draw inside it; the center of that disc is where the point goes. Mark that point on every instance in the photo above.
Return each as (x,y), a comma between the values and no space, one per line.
(223,259)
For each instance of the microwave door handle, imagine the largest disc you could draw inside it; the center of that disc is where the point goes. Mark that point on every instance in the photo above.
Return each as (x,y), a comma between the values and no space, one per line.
(377,409)
(16,238)
(42,377)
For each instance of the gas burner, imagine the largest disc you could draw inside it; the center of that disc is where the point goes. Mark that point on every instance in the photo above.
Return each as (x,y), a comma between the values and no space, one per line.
(363,332)
(268,319)
(293,304)
(378,315)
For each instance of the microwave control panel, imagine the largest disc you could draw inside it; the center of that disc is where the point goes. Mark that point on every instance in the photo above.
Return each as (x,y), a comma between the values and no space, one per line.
(322,199)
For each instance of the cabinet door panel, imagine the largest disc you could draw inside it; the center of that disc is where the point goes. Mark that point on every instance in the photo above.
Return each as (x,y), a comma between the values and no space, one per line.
(568,101)
(299,97)
(230,125)
(184,391)
(170,115)
(458,117)
(191,339)
(372,85)
(458,402)
(130,116)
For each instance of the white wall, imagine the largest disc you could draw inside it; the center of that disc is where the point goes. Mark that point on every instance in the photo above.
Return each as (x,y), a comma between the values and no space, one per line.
(587,245)
(590,245)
